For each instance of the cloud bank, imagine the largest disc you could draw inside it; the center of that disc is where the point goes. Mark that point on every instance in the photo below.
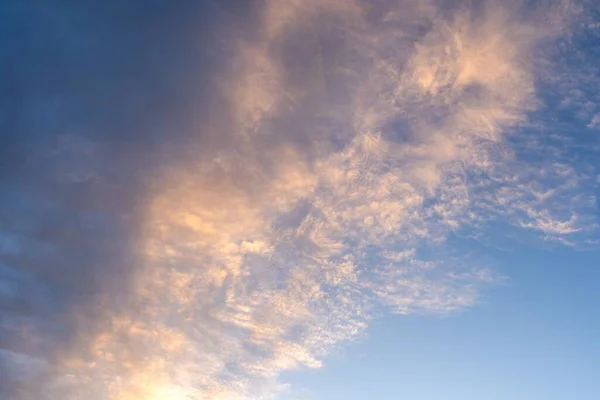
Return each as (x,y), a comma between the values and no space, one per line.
(346,143)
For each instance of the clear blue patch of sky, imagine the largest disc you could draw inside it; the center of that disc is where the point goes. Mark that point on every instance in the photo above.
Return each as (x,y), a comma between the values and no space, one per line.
(533,337)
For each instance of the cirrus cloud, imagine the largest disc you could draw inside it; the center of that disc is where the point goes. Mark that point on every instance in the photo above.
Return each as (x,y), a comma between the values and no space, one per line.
(354,138)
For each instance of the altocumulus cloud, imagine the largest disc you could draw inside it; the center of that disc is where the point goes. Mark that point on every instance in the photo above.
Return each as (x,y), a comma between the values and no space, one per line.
(314,183)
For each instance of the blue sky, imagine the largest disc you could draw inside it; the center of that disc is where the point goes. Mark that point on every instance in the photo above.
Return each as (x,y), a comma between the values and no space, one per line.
(281,199)
(533,337)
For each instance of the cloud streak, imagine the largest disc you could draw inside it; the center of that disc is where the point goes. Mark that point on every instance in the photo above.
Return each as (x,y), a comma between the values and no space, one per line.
(352,140)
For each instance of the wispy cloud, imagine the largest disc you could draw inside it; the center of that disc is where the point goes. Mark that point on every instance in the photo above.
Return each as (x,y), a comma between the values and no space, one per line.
(352,139)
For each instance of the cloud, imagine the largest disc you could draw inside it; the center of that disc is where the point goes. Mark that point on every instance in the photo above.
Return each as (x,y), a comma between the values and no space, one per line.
(351,140)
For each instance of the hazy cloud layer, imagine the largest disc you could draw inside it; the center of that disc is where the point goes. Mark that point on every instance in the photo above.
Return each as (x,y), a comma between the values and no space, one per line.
(260,196)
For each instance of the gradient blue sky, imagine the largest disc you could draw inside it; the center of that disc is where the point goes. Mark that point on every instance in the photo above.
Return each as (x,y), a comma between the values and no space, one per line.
(282,199)
(534,337)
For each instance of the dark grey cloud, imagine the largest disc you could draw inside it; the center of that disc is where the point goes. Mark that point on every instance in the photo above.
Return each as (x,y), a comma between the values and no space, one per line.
(96,97)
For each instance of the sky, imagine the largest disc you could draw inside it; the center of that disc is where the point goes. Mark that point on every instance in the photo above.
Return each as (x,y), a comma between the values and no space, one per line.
(299,199)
